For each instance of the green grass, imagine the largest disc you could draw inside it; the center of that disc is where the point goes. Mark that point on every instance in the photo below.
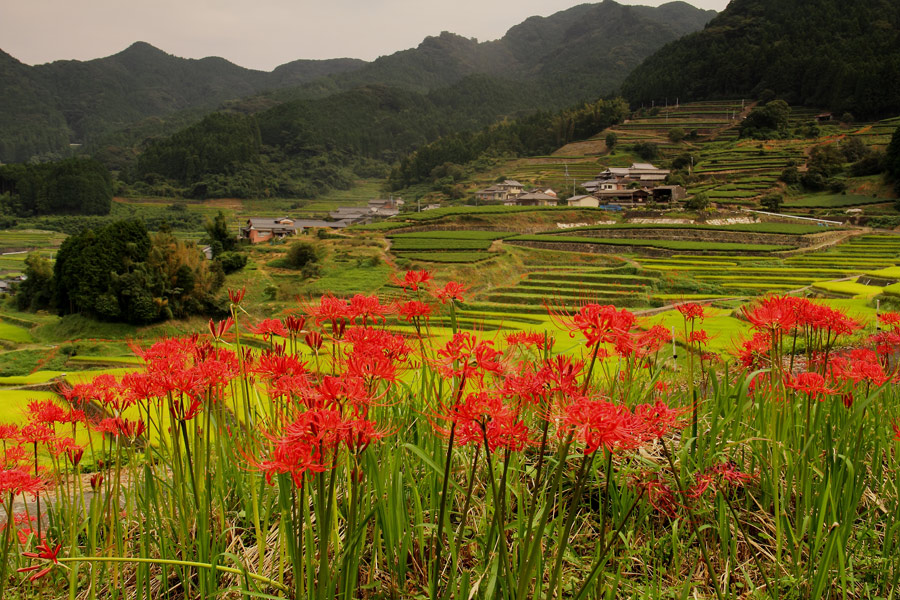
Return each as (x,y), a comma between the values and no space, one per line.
(401,244)
(664,244)
(833,201)
(463,234)
(848,288)
(774,228)
(449,257)
(12,333)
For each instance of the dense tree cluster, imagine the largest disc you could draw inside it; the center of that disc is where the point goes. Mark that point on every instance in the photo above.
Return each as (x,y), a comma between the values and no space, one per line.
(121,273)
(536,134)
(892,160)
(840,54)
(72,186)
(767,122)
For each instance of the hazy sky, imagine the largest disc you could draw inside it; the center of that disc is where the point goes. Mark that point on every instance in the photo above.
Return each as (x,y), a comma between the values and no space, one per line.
(258,34)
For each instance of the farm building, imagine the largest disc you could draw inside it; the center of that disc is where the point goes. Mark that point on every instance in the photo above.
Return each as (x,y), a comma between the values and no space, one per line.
(615,178)
(634,196)
(584,201)
(501,192)
(536,199)
(264,229)
(668,193)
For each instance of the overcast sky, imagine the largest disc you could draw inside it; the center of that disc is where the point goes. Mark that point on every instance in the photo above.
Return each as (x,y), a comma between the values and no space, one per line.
(260,34)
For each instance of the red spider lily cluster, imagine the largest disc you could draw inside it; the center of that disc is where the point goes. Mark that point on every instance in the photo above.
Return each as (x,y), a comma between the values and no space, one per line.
(306,399)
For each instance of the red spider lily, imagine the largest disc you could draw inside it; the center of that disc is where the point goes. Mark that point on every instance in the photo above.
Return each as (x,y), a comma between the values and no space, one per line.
(314,340)
(18,481)
(862,365)
(294,324)
(331,309)
(304,445)
(118,427)
(361,433)
(773,314)
(366,308)
(598,423)
(662,387)
(333,393)
(753,353)
(811,384)
(598,324)
(36,433)
(720,476)
(896,427)
(367,340)
(414,310)
(96,481)
(47,412)
(464,355)
(890,319)
(535,339)
(270,327)
(45,552)
(832,321)
(483,415)
(8,431)
(562,375)
(451,291)
(699,337)
(529,385)
(659,494)
(16,456)
(412,280)
(237,296)
(658,419)
(691,311)
(217,330)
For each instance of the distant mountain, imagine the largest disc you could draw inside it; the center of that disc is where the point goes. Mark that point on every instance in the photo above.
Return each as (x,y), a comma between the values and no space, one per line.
(576,54)
(586,51)
(46,107)
(840,54)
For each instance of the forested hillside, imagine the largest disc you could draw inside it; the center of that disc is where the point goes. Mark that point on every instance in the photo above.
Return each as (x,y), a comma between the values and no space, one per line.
(840,54)
(574,55)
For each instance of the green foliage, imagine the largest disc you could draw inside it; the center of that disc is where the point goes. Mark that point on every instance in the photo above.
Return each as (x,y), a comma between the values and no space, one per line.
(611,140)
(840,54)
(72,186)
(791,176)
(892,159)
(301,254)
(36,292)
(676,134)
(771,202)
(540,133)
(232,261)
(697,202)
(646,150)
(767,122)
(118,273)
(217,145)
(223,240)
(871,164)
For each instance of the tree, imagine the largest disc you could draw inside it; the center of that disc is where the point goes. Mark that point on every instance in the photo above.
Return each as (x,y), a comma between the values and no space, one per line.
(36,292)
(676,134)
(218,231)
(646,150)
(790,176)
(697,202)
(301,254)
(892,159)
(611,140)
(769,121)
(771,202)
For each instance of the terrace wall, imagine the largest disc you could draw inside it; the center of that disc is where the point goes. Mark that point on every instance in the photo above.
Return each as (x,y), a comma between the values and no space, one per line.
(604,249)
(706,235)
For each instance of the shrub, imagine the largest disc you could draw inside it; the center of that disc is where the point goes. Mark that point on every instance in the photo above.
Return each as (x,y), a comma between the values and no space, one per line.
(232,261)
(676,134)
(790,176)
(301,254)
(611,140)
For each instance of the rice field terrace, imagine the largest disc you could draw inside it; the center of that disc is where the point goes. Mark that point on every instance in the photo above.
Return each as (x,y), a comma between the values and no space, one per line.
(354,448)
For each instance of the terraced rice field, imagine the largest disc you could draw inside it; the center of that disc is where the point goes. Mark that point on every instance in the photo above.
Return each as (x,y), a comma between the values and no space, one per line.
(445,246)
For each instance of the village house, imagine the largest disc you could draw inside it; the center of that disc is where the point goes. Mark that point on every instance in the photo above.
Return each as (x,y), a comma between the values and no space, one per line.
(626,196)
(536,198)
(584,201)
(501,192)
(616,178)
(668,193)
(260,230)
